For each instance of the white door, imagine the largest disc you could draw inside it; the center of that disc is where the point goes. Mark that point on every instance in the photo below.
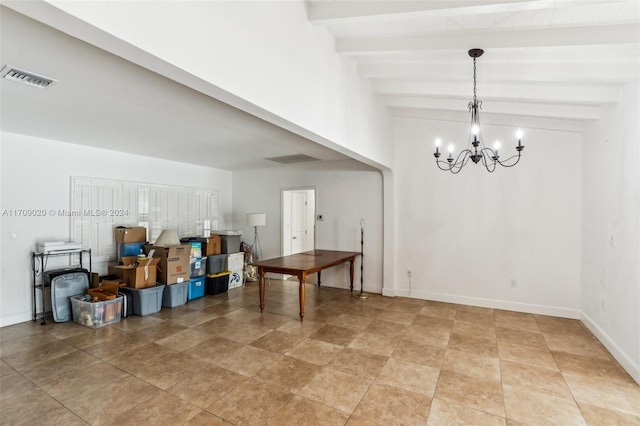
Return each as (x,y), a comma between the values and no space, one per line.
(299,230)
(298,220)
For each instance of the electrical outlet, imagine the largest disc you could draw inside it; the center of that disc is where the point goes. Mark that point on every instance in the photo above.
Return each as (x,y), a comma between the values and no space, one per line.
(513,283)
(409,274)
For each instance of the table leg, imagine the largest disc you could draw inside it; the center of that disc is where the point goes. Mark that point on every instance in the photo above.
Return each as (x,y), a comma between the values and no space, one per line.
(302,277)
(319,277)
(261,281)
(351,262)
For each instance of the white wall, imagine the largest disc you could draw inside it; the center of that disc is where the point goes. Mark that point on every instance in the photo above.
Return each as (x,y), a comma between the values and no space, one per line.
(345,193)
(611,230)
(263,52)
(466,236)
(35,174)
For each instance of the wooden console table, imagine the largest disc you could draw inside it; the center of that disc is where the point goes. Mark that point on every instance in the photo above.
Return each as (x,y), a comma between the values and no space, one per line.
(302,265)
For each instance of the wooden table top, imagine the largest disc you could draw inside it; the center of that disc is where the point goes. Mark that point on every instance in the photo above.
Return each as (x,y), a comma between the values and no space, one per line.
(309,261)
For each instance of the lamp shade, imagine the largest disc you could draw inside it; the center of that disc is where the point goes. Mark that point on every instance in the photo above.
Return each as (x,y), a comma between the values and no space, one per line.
(168,238)
(256,219)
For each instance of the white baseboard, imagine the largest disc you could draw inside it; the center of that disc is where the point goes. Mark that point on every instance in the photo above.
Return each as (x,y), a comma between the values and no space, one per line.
(16,318)
(388,292)
(530,308)
(621,356)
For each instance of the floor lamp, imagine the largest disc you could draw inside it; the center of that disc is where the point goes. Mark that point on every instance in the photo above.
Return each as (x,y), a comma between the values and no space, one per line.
(361,295)
(256,220)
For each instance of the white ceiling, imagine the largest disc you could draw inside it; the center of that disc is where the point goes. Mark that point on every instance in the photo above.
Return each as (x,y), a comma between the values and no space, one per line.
(547,63)
(105,101)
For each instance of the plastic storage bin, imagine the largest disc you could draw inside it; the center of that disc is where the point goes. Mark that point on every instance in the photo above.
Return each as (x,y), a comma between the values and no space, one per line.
(217,283)
(196,288)
(129,249)
(64,284)
(216,264)
(98,314)
(235,261)
(229,241)
(235,265)
(235,278)
(175,295)
(198,267)
(197,245)
(146,301)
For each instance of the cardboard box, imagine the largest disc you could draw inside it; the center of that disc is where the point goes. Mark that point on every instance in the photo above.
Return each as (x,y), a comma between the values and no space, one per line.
(107,291)
(112,282)
(141,276)
(213,246)
(95,280)
(134,234)
(174,264)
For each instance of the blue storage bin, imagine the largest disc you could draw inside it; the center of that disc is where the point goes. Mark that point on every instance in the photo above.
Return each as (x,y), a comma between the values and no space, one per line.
(129,249)
(196,288)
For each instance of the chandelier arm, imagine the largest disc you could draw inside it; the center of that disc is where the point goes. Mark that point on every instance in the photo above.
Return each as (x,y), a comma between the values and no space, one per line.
(446,169)
(503,163)
(464,154)
(517,157)
(455,166)
(458,165)
(487,165)
(491,152)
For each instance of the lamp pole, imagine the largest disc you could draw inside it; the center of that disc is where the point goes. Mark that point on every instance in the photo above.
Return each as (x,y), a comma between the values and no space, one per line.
(361,295)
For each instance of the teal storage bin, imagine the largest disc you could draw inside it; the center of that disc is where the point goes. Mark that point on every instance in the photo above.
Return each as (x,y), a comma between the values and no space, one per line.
(196,288)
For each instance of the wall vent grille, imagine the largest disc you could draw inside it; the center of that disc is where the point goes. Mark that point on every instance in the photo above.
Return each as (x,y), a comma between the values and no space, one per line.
(292,159)
(26,77)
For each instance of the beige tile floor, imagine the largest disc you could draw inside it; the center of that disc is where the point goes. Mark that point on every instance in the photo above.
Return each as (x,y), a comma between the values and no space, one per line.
(384,361)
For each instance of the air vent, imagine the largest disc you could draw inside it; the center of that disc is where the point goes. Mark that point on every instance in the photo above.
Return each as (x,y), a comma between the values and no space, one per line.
(26,77)
(291,159)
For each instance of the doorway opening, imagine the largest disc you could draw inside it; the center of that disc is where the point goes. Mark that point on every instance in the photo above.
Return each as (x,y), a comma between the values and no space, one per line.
(298,220)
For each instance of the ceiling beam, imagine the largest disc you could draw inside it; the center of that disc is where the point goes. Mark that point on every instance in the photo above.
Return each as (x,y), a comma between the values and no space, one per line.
(513,121)
(547,37)
(343,12)
(563,111)
(579,94)
(609,72)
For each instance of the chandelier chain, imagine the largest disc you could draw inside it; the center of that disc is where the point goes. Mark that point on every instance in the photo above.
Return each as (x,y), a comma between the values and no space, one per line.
(475,100)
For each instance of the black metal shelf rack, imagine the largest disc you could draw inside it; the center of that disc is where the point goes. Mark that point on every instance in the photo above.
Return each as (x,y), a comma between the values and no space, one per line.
(38,267)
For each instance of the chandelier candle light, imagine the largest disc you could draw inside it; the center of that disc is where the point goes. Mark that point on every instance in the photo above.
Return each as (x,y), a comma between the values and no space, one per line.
(476,150)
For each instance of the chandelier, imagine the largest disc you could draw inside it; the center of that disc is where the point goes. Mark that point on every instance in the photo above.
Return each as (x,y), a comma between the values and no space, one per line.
(476,151)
